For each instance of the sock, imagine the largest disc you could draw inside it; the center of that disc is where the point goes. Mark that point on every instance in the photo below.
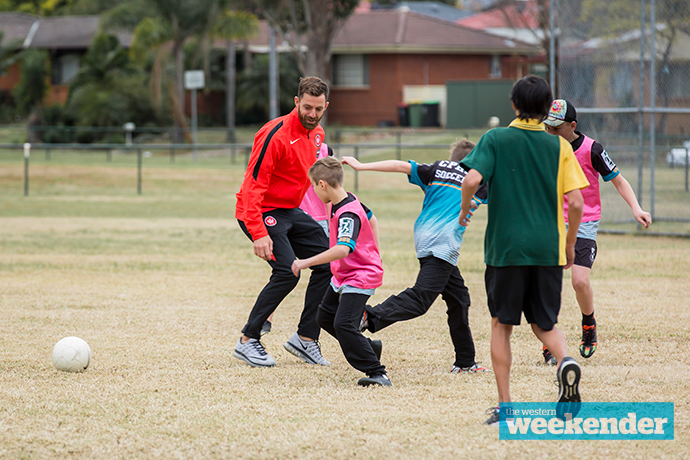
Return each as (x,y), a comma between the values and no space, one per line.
(588,320)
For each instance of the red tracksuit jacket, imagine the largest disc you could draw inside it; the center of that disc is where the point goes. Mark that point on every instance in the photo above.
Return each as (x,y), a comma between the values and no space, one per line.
(277,173)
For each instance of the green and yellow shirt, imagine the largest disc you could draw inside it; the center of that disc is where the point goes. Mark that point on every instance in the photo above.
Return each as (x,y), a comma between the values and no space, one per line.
(528,171)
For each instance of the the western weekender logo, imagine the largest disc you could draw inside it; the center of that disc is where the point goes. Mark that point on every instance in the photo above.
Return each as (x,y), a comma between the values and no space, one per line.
(590,420)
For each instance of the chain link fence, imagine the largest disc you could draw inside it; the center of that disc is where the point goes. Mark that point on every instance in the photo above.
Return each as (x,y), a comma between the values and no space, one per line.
(637,107)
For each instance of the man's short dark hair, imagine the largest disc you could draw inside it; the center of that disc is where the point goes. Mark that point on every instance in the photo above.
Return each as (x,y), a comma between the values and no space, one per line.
(313,86)
(532,97)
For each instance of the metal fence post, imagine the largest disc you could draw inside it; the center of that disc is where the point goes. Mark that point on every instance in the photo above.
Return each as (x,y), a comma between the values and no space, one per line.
(247,152)
(172,154)
(139,155)
(398,153)
(686,169)
(356,175)
(27,150)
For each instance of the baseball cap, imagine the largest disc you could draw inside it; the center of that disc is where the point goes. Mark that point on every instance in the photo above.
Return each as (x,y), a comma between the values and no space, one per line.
(561,111)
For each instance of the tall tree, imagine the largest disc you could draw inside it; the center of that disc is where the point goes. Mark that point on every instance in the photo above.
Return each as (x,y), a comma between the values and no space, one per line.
(232,25)
(164,28)
(672,19)
(310,23)
(32,87)
(10,52)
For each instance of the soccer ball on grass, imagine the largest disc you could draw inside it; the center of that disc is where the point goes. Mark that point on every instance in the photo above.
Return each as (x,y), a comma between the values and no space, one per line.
(71,354)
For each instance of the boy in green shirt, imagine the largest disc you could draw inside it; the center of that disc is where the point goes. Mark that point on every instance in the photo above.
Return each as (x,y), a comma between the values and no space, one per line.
(526,247)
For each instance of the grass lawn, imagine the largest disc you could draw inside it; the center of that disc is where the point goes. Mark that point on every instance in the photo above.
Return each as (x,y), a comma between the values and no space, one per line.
(160,285)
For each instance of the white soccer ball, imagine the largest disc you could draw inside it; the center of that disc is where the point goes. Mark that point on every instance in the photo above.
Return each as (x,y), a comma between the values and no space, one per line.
(71,354)
(494,122)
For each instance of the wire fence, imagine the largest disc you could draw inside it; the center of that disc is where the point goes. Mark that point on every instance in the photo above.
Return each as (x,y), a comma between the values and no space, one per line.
(634,102)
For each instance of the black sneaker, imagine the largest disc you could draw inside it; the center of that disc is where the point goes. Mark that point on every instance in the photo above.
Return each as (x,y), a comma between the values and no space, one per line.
(568,376)
(589,341)
(378,379)
(377,346)
(494,416)
(266,328)
(549,359)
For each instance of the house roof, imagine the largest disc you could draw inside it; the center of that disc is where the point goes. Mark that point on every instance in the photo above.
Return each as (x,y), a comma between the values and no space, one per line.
(16,26)
(403,31)
(516,16)
(59,32)
(436,10)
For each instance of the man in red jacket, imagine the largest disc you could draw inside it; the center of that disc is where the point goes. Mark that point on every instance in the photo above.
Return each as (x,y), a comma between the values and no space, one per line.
(268,212)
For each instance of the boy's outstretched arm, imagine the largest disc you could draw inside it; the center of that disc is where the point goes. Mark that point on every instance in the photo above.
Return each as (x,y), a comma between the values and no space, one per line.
(382,166)
(336,252)
(626,191)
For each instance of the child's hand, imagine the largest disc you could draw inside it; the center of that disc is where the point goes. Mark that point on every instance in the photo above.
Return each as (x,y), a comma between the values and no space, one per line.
(644,218)
(353,162)
(297,265)
(465,216)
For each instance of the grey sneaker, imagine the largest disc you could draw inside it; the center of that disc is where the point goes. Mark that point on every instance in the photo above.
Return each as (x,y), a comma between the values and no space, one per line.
(253,353)
(568,375)
(307,351)
(493,414)
(364,322)
(473,369)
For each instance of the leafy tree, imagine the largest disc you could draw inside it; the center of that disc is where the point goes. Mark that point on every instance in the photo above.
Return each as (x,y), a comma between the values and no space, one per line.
(672,18)
(104,61)
(108,90)
(253,86)
(163,26)
(32,87)
(232,25)
(313,23)
(9,53)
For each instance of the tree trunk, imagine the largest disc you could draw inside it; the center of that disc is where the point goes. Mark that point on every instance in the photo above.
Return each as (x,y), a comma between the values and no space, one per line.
(178,51)
(230,91)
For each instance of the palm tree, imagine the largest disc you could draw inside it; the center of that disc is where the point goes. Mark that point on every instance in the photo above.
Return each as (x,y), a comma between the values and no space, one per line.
(163,28)
(32,87)
(9,53)
(232,25)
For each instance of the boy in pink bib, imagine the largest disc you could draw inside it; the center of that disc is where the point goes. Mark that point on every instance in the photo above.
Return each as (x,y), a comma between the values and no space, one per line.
(357,271)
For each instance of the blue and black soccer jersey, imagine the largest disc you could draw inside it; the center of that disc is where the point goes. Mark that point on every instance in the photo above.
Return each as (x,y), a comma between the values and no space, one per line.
(437,231)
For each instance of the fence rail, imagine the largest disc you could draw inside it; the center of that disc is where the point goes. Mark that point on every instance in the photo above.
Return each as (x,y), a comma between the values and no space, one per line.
(614,212)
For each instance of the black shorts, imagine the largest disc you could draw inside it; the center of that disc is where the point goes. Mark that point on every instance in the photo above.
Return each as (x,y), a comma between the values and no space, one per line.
(585,252)
(532,290)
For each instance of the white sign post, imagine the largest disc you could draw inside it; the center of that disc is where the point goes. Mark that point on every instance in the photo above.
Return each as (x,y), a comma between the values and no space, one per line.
(193,80)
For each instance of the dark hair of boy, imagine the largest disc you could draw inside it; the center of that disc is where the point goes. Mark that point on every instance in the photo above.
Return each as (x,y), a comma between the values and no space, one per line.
(460,148)
(532,97)
(313,86)
(329,170)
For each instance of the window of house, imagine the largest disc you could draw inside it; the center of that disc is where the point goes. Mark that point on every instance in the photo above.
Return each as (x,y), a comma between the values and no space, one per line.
(350,70)
(66,68)
(622,84)
(678,80)
(496,66)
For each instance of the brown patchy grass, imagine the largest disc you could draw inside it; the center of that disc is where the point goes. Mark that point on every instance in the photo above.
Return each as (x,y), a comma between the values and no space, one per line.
(161,297)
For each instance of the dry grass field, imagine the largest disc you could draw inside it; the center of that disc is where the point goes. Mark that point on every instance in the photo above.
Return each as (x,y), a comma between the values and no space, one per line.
(160,285)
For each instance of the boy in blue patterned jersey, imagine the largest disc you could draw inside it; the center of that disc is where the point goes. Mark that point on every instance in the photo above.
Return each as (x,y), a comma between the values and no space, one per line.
(438,237)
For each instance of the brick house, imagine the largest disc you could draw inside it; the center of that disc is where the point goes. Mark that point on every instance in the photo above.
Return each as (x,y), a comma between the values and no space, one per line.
(379,54)
(66,38)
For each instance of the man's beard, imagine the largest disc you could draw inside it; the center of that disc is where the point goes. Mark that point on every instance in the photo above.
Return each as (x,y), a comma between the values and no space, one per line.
(308,125)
